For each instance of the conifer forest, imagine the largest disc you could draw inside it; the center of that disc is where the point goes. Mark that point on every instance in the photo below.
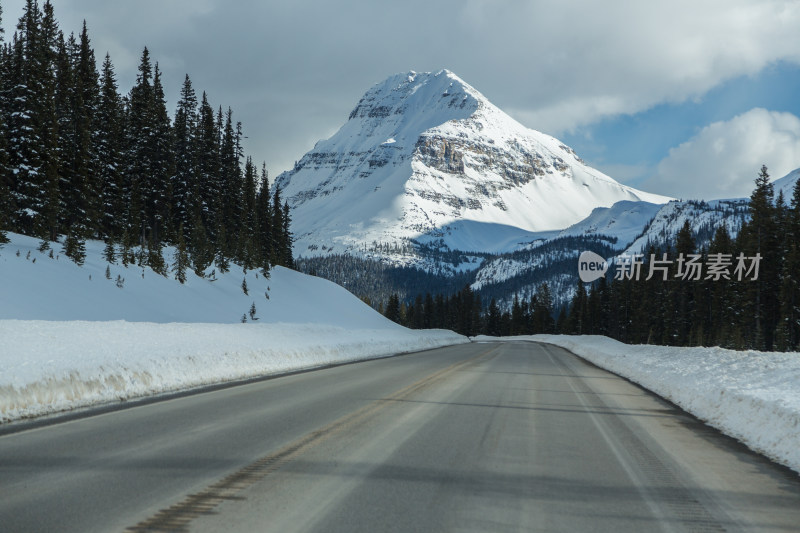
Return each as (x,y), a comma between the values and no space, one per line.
(79,159)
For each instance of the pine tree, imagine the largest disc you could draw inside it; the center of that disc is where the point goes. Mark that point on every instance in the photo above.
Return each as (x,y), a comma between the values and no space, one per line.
(682,294)
(87,92)
(181,258)
(109,254)
(722,296)
(158,193)
(221,257)
(201,252)
(248,234)
(6,204)
(185,184)
(75,248)
(264,222)
(393,309)
(287,236)
(578,313)
(23,119)
(139,133)
(493,319)
(760,236)
(278,238)
(231,187)
(206,155)
(46,225)
(107,146)
(788,329)
(155,257)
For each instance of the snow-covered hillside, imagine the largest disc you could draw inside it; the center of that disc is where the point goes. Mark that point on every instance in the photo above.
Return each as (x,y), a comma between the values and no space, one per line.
(786,184)
(426,157)
(35,287)
(704,218)
(71,337)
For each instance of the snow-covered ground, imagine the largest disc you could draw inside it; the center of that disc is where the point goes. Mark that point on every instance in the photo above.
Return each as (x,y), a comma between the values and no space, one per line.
(749,395)
(71,338)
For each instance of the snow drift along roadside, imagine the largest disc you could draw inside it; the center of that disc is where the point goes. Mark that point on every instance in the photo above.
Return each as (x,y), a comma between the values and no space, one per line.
(47,367)
(751,396)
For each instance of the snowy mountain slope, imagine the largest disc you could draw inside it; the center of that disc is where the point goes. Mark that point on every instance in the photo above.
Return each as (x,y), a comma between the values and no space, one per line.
(704,217)
(636,225)
(427,158)
(35,287)
(623,221)
(786,184)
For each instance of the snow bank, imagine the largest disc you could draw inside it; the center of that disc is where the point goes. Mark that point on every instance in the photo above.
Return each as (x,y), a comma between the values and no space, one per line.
(47,367)
(751,396)
(74,336)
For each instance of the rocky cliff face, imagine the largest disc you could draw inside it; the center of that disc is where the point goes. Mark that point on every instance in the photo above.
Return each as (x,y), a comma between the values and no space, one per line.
(426,159)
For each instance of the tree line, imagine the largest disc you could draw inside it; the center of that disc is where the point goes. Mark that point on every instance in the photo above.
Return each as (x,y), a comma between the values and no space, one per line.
(80,161)
(761,313)
(464,313)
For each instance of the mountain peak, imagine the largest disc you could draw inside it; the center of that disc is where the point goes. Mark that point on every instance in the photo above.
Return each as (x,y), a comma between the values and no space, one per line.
(425,158)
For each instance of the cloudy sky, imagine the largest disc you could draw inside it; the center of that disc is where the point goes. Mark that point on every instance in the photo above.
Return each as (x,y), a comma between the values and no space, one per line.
(682,97)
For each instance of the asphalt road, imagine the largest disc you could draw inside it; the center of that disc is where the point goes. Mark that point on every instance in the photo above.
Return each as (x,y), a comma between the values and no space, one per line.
(480,437)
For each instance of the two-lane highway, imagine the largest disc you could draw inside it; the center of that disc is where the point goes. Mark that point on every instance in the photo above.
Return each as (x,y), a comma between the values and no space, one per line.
(478,437)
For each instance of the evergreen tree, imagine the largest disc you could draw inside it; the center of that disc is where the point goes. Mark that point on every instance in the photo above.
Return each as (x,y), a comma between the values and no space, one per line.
(760,236)
(248,233)
(185,184)
(138,131)
(578,313)
(206,156)
(155,257)
(493,319)
(231,186)
(788,329)
(107,141)
(75,248)
(23,119)
(393,309)
(158,192)
(722,296)
(286,235)
(109,254)
(264,221)
(181,258)
(281,251)
(682,294)
(6,204)
(86,103)
(202,253)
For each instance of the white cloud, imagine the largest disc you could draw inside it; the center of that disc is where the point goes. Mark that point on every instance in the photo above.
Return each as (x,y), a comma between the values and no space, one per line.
(294,69)
(723,159)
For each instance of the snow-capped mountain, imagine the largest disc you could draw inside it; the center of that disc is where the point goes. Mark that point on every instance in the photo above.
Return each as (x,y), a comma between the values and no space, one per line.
(426,159)
(704,218)
(786,184)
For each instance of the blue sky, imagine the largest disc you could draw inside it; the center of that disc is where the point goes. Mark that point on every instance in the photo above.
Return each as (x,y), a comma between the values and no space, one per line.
(630,146)
(681,97)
